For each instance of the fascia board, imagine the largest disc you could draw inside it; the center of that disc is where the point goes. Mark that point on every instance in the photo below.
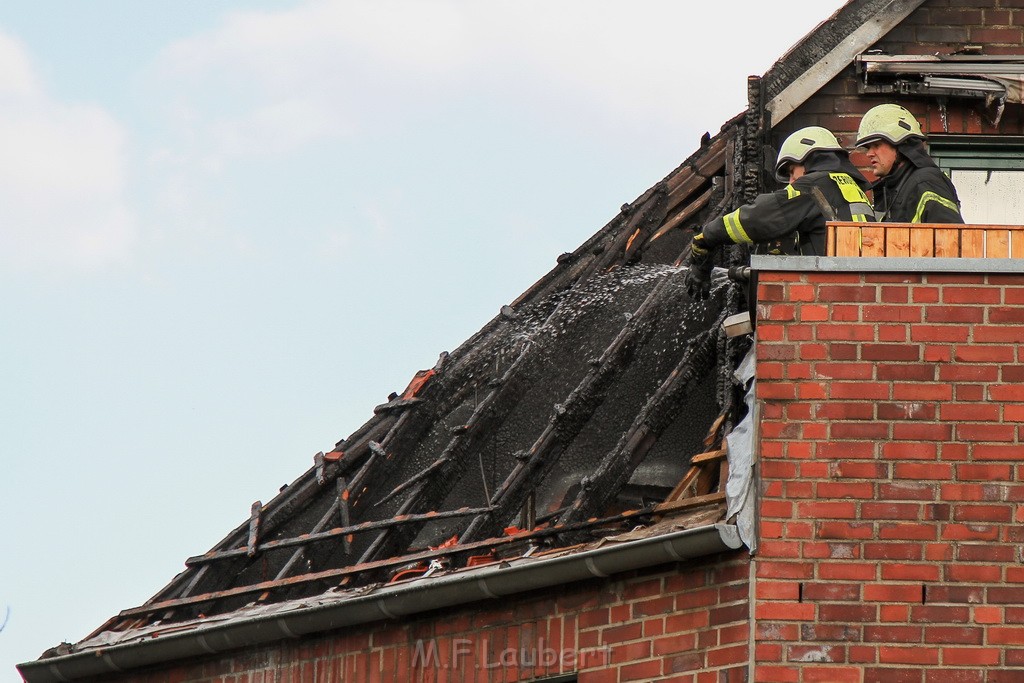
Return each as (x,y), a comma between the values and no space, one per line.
(841,56)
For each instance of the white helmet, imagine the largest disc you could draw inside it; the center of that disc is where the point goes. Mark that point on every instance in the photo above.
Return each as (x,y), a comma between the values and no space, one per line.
(800,144)
(889,122)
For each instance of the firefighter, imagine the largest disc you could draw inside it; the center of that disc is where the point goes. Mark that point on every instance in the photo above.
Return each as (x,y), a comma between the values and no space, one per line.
(822,185)
(910,187)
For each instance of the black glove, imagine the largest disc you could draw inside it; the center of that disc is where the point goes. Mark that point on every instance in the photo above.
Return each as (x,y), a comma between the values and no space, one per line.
(698,278)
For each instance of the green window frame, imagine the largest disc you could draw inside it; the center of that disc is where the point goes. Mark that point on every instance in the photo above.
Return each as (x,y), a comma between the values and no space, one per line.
(977,152)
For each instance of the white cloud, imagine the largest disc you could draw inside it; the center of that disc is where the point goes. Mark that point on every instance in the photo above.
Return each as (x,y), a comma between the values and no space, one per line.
(272,82)
(323,85)
(280,47)
(328,69)
(657,64)
(16,78)
(280,126)
(369,229)
(62,173)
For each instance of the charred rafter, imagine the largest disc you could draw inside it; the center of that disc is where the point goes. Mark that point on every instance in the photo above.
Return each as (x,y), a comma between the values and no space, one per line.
(571,415)
(593,256)
(425,491)
(278,512)
(524,539)
(643,219)
(753,145)
(335,533)
(653,216)
(659,411)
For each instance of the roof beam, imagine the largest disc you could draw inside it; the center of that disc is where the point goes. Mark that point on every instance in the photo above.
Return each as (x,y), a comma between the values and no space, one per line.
(827,67)
(659,411)
(342,531)
(570,417)
(336,575)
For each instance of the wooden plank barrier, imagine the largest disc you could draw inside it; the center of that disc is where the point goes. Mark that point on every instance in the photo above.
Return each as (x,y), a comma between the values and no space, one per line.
(925,240)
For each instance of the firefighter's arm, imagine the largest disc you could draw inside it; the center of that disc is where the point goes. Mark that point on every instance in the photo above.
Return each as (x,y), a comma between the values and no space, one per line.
(768,217)
(935,206)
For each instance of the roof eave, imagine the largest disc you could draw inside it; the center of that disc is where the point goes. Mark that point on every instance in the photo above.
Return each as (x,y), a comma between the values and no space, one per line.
(400,600)
(856,27)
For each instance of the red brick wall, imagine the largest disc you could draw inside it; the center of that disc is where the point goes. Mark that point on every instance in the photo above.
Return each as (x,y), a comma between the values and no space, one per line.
(685,624)
(892,464)
(937,27)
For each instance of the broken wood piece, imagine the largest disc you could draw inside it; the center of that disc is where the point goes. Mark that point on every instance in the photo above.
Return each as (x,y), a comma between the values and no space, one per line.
(396,404)
(346,519)
(710,456)
(318,464)
(686,214)
(687,503)
(685,483)
(713,435)
(255,513)
(705,477)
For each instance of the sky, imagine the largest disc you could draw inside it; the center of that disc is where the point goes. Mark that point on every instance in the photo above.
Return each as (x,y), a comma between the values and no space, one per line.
(229,229)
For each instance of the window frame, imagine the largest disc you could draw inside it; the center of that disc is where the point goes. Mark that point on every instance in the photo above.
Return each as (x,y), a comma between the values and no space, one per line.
(977,152)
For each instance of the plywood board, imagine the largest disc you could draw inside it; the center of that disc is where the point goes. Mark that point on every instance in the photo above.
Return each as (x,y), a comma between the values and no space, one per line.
(1017,244)
(897,241)
(873,241)
(922,242)
(972,243)
(847,241)
(997,243)
(947,243)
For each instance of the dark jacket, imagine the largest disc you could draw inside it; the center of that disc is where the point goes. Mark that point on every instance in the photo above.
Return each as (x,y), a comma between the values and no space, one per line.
(917,192)
(794,213)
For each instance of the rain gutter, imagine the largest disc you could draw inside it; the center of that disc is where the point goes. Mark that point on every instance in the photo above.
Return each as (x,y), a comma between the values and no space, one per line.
(391,602)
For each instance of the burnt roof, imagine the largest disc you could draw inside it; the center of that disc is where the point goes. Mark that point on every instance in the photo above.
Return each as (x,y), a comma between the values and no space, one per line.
(573,414)
(593,403)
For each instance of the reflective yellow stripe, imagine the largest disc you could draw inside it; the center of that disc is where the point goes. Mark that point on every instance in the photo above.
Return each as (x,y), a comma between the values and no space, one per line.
(791,192)
(849,187)
(932,197)
(734,227)
(852,194)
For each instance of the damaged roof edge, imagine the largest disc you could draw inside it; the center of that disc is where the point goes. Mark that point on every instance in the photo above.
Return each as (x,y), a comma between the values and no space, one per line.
(390,602)
(856,26)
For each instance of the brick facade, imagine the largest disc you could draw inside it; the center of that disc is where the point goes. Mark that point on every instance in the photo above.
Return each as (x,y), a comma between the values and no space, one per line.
(683,624)
(892,478)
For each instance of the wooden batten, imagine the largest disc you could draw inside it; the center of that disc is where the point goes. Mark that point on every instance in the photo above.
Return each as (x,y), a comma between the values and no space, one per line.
(925,240)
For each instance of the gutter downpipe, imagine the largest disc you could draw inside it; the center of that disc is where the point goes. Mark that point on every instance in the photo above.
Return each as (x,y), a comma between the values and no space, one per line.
(391,602)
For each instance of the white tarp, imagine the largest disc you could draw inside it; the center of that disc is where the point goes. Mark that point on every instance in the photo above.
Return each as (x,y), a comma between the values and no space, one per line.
(739,490)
